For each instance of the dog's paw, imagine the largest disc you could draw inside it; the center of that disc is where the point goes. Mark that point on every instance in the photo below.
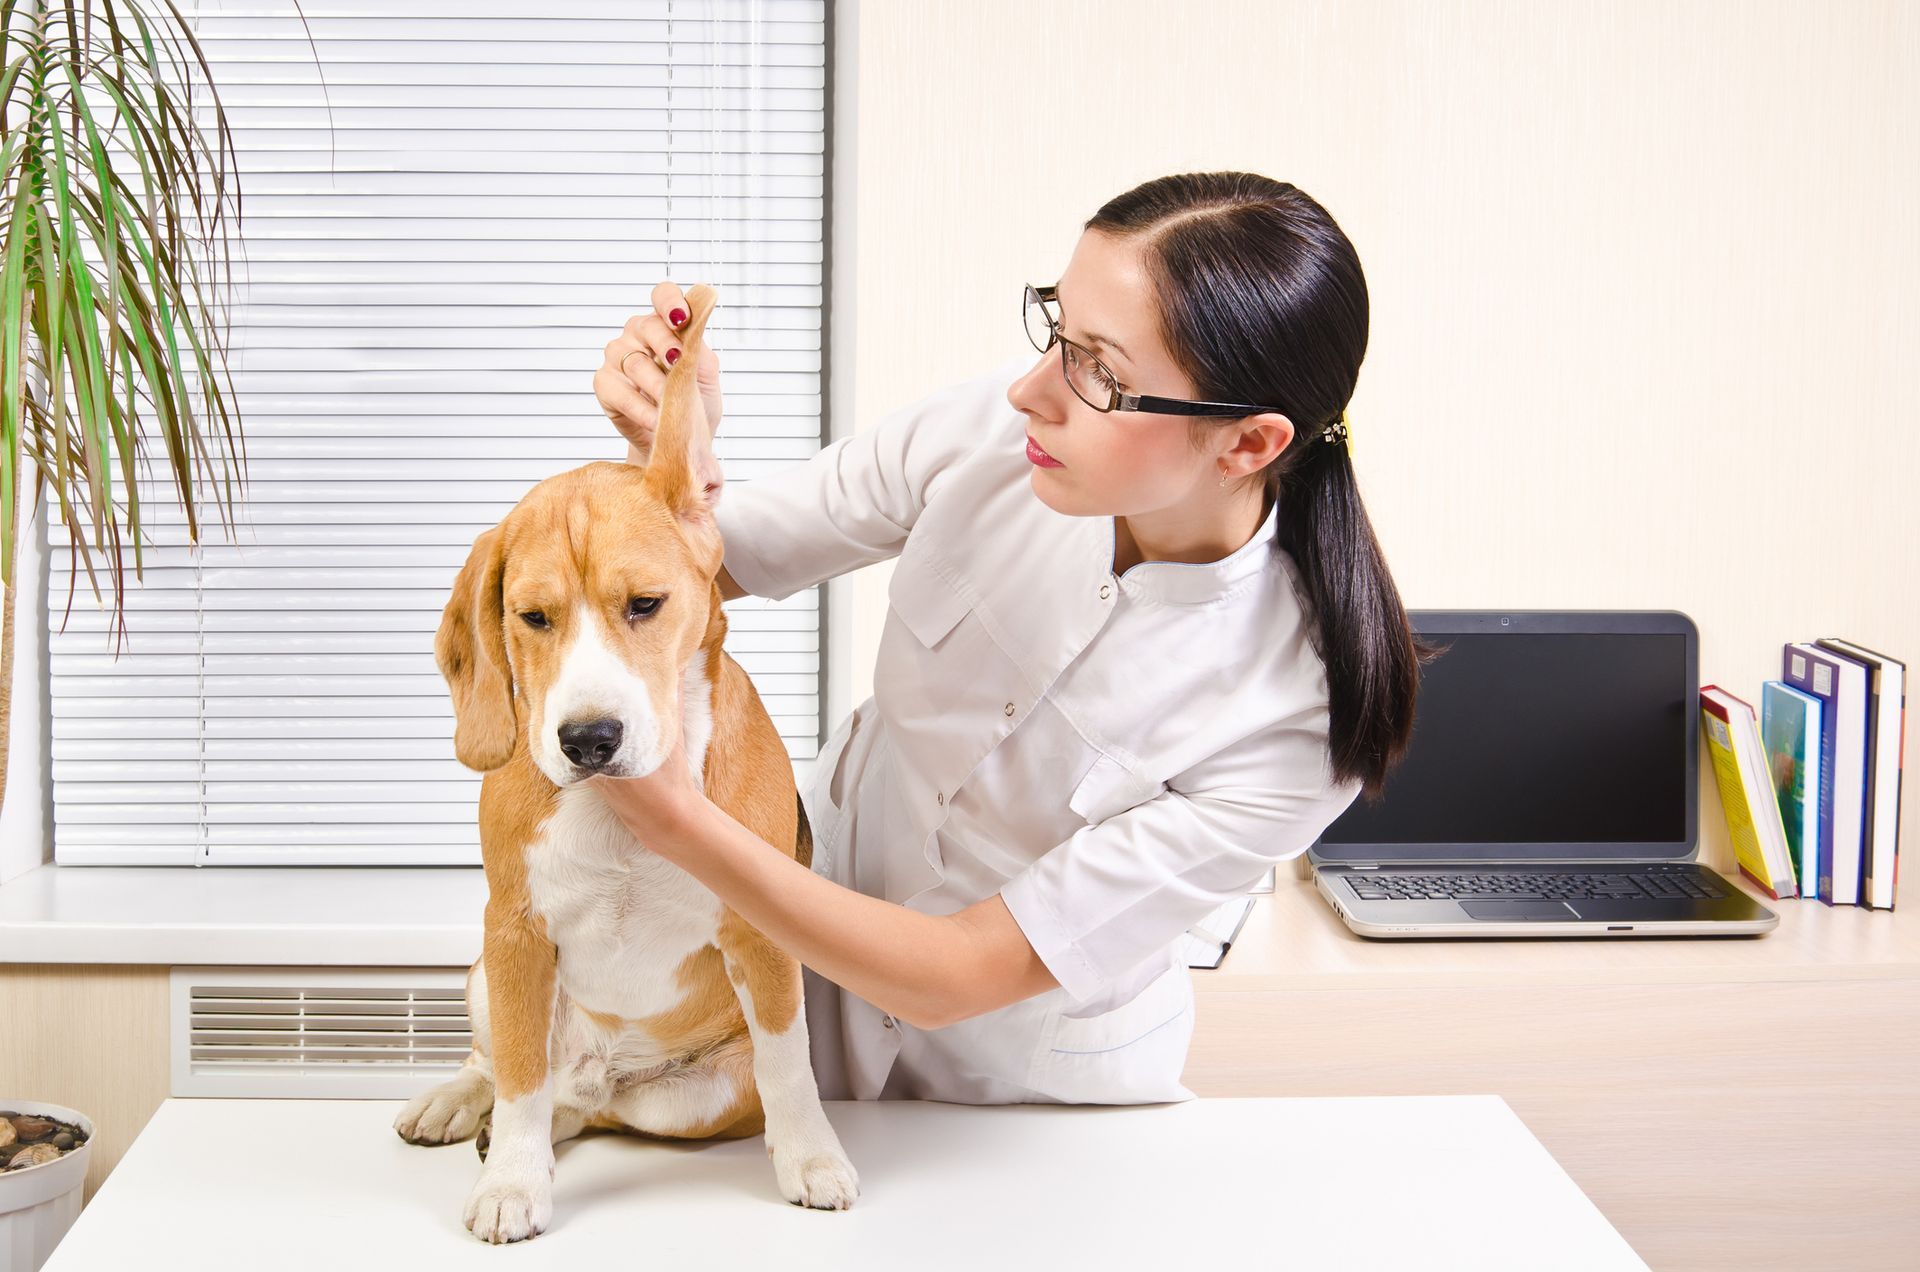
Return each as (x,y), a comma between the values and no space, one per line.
(449,1112)
(820,1177)
(505,1208)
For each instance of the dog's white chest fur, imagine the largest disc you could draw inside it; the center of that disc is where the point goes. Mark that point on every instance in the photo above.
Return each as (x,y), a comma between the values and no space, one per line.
(622,918)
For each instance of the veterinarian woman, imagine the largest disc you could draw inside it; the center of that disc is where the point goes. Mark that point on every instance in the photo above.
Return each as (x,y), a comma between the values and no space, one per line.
(1141,646)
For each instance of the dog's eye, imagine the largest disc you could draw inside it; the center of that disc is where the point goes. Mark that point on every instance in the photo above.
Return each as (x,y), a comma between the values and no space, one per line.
(642,606)
(535,618)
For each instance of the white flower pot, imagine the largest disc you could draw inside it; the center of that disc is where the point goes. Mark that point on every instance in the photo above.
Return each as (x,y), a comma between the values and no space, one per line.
(39,1203)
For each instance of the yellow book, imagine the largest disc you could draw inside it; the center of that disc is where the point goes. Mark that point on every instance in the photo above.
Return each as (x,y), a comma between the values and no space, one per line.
(1746,793)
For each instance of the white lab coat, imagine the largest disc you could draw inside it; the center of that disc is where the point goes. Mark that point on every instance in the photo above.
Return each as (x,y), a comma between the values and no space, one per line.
(1114,756)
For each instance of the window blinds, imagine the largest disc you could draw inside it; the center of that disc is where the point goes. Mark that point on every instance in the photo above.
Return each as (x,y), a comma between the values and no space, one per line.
(421,299)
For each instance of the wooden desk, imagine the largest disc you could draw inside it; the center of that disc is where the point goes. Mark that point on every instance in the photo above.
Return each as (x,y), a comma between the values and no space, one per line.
(1726,1102)
(1298,1183)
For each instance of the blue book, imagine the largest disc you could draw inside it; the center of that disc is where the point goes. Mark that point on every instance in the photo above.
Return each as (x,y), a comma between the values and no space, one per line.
(1840,683)
(1886,734)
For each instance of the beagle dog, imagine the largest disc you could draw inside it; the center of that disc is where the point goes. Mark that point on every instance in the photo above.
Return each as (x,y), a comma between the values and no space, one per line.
(613,989)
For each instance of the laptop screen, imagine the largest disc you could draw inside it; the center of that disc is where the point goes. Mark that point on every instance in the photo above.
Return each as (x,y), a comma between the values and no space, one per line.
(1538,738)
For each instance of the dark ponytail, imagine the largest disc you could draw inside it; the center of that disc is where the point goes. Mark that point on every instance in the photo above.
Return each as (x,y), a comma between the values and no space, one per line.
(1262,300)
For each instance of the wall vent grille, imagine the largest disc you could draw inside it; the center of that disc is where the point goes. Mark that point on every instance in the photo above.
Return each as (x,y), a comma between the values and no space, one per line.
(324,1032)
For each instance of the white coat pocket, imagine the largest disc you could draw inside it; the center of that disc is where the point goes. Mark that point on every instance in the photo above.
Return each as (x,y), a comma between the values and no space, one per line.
(1110,788)
(1133,1054)
(829,789)
(926,603)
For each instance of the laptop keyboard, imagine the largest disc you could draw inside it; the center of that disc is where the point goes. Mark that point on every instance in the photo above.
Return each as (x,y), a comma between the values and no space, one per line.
(1531,886)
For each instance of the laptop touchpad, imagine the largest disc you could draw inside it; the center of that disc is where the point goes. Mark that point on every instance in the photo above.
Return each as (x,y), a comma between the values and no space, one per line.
(1518,910)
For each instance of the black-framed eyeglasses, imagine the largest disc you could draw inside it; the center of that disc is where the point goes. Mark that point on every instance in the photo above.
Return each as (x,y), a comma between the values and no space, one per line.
(1090,379)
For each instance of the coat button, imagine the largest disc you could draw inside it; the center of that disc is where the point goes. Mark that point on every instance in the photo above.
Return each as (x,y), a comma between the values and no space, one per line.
(939,799)
(1009,708)
(888,1020)
(1106,590)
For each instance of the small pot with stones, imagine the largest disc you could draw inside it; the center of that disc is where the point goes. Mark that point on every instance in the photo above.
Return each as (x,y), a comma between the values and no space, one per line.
(44,1154)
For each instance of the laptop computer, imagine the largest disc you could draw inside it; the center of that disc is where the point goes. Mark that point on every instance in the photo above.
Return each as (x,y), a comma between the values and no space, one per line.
(1551,789)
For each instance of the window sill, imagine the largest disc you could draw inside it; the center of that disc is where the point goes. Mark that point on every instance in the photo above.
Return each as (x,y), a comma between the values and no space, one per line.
(403,916)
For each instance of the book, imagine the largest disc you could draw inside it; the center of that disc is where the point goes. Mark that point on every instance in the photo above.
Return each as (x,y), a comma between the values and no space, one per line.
(1790,730)
(1886,760)
(1840,682)
(1746,792)
(1207,942)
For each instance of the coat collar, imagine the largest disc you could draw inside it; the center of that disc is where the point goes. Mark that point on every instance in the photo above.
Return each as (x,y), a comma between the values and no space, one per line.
(1191,583)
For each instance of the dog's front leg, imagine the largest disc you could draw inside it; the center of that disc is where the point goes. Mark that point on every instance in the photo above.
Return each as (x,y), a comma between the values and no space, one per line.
(808,1162)
(513,1198)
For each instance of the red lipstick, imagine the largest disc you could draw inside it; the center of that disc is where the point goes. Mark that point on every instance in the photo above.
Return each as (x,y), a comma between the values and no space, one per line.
(1040,457)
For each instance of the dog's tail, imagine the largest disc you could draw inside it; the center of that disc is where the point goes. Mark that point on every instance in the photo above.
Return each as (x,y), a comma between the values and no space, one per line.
(803,845)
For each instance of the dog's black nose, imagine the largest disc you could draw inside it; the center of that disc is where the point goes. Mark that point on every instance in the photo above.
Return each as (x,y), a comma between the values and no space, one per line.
(591,743)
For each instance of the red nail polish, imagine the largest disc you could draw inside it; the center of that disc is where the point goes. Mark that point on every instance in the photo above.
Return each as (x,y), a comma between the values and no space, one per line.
(673,356)
(678,317)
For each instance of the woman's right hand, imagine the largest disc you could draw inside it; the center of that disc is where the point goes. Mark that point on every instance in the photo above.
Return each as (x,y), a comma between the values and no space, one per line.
(633,374)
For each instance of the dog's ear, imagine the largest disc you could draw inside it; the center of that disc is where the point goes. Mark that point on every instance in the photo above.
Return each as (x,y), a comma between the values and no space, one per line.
(471,650)
(682,471)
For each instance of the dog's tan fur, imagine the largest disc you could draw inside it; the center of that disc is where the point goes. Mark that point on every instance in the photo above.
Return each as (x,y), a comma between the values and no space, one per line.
(610,530)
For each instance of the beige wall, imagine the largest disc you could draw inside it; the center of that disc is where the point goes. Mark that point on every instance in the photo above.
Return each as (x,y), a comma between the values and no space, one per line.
(1643,279)
(1643,276)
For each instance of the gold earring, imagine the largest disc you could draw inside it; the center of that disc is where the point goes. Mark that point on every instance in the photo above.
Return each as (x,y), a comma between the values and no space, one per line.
(1223,477)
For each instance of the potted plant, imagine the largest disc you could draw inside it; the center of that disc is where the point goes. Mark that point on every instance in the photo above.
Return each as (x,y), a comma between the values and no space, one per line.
(115,191)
